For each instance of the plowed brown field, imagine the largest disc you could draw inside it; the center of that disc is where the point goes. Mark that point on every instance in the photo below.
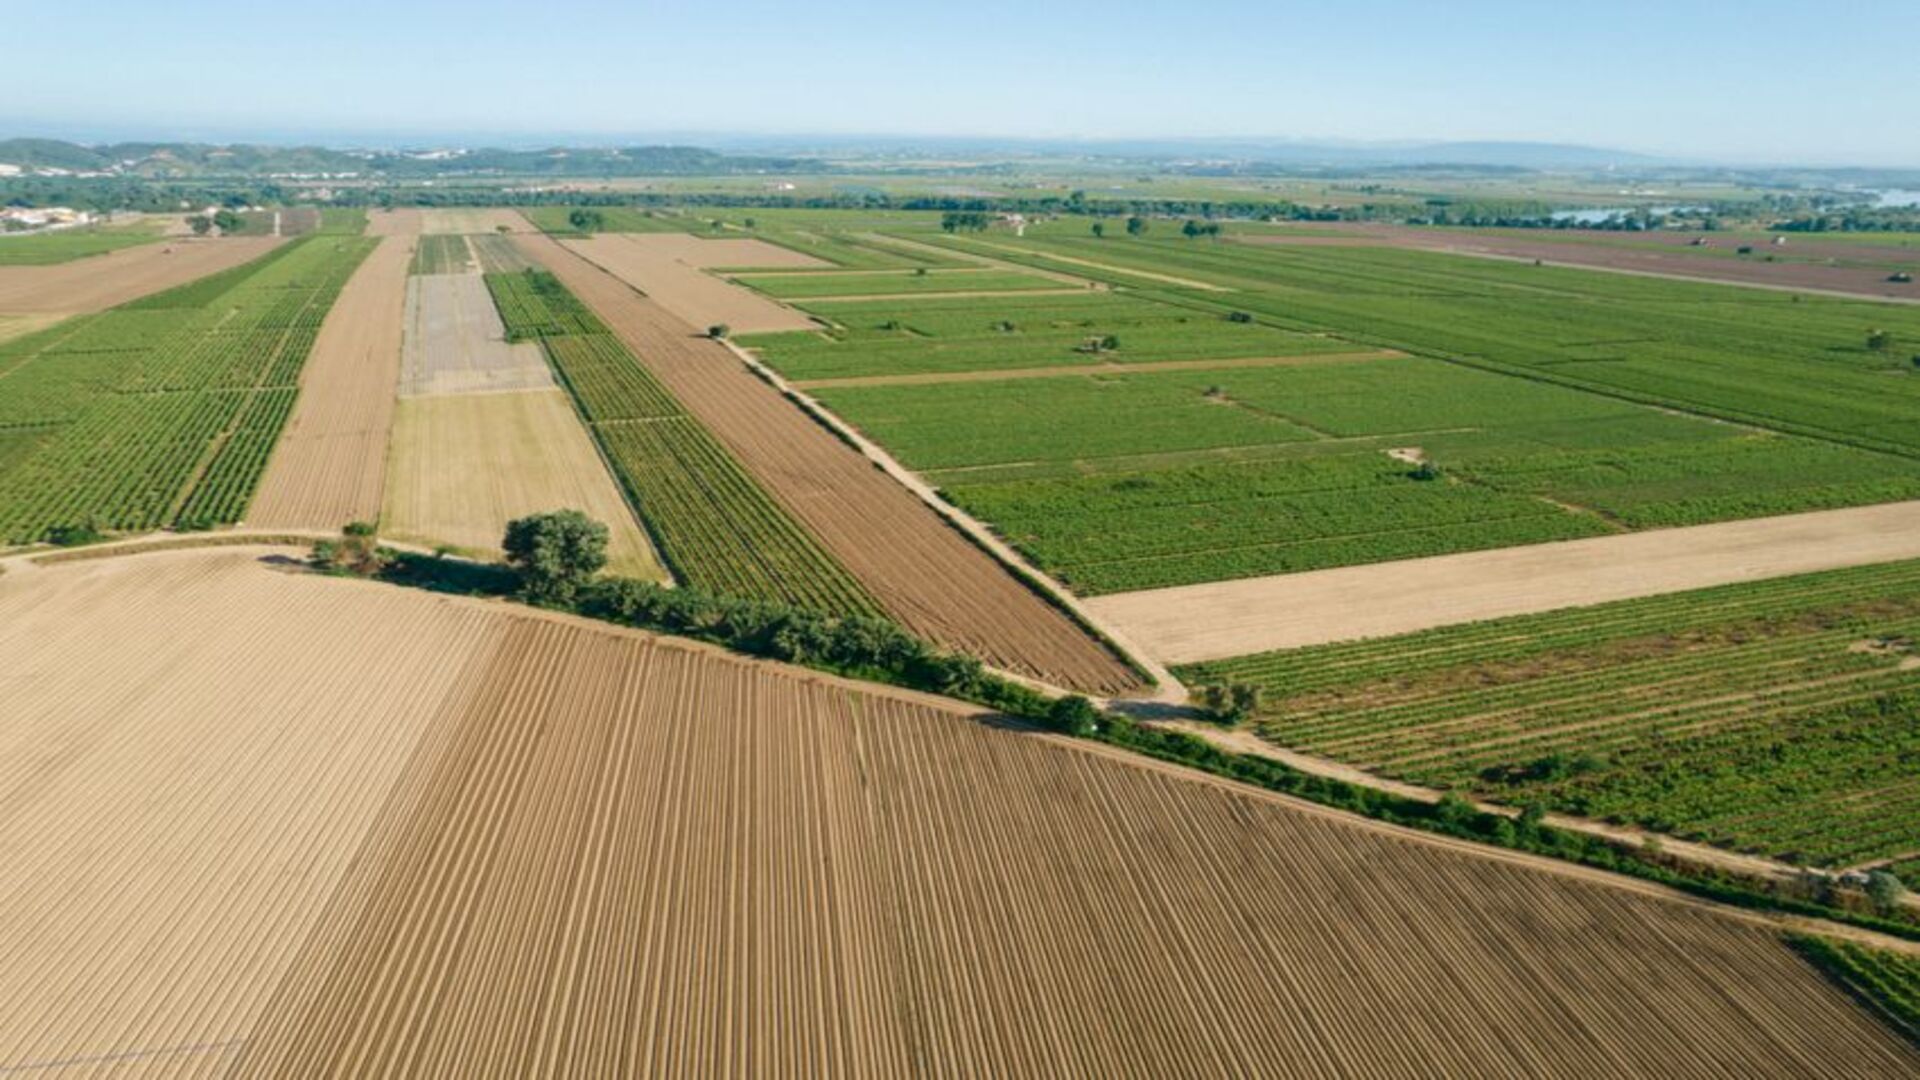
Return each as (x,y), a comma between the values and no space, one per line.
(700,299)
(404,222)
(379,832)
(327,469)
(104,281)
(924,572)
(461,220)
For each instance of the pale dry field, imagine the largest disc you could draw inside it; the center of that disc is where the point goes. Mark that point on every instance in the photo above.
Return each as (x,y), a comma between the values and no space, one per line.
(463,465)
(1216,620)
(103,281)
(657,264)
(328,467)
(460,221)
(733,253)
(401,222)
(14,326)
(269,824)
(923,571)
(456,343)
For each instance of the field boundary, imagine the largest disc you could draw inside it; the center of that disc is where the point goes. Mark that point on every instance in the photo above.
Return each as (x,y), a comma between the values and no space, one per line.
(1167,688)
(1224,619)
(931,378)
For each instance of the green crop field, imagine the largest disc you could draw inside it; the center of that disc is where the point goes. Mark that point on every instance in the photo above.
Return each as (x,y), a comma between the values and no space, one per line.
(65,245)
(1793,363)
(714,526)
(827,285)
(1142,480)
(162,411)
(1780,717)
(923,336)
(440,255)
(1888,981)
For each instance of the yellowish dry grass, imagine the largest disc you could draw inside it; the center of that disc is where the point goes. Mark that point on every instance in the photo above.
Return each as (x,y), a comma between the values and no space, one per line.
(13,326)
(463,465)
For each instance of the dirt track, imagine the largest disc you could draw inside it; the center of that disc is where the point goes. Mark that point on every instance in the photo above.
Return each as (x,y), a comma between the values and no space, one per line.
(437,837)
(327,469)
(1668,257)
(104,281)
(926,575)
(1234,618)
(663,272)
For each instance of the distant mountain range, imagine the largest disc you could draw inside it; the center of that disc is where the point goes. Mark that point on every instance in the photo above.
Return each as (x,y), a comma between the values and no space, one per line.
(188,160)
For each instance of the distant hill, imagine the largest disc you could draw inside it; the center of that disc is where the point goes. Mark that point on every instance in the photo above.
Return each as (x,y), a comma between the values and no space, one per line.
(162,159)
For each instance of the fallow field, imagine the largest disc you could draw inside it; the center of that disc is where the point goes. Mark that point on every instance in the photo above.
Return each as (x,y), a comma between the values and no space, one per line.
(357,857)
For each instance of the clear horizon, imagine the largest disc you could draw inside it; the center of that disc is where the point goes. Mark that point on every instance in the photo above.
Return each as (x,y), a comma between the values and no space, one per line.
(1680,81)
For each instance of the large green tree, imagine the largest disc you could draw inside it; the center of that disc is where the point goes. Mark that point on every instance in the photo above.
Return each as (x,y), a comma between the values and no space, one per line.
(556,554)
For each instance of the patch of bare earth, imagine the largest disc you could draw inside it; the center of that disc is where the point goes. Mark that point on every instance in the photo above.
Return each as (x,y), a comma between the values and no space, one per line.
(383,832)
(1212,621)
(328,466)
(103,281)
(921,569)
(657,265)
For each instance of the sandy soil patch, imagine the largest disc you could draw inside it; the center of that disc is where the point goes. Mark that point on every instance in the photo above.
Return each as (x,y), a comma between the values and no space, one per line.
(382,832)
(104,281)
(463,465)
(328,467)
(14,326)
(724,252)
(696,298)
(457,221)
(396,222)
(922,571)
(1234,618)
(456,343)
(924,378)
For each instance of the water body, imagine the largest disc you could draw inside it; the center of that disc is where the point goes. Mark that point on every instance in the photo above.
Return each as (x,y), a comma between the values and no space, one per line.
(1897,198)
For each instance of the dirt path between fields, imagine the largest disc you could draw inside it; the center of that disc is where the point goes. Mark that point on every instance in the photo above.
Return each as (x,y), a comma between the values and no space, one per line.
(995,294)
(926,573)
(932,377)
(982,260)
(1185,283)
(1215,620)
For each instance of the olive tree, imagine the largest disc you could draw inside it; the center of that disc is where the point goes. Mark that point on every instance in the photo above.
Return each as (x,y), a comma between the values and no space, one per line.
(556,553)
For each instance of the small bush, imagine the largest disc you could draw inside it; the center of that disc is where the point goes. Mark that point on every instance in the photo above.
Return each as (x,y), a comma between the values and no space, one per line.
(719,331)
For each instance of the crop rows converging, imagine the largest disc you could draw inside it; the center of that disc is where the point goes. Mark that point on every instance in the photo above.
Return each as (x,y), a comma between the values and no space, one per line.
(1780,717)
(1889,980)
(1547,405)
(163,411)
(714,526)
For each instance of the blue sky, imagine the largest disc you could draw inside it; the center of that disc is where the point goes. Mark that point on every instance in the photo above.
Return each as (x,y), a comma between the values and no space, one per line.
(1748,80)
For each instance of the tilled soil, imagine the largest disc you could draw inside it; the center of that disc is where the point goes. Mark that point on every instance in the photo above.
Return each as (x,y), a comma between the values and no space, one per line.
(921,570)
(327,469)
(379,832)
(103,281)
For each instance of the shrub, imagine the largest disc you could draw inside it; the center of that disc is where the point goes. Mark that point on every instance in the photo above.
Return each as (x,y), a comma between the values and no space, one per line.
(357,551)
(1074,715)
(74,535)
(1239,317)
(719,331)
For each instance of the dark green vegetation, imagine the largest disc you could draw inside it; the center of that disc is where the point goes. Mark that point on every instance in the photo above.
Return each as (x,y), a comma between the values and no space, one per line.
(1131,481)
(556,554)
(714,526)
(162,411)
(65,245)
(1886,981)
(1780,717)
(440,255)
(922,336)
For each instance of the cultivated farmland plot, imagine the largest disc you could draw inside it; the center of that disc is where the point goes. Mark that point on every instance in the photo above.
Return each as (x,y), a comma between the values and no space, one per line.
(165,410)
(695,864)
(1776,717)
